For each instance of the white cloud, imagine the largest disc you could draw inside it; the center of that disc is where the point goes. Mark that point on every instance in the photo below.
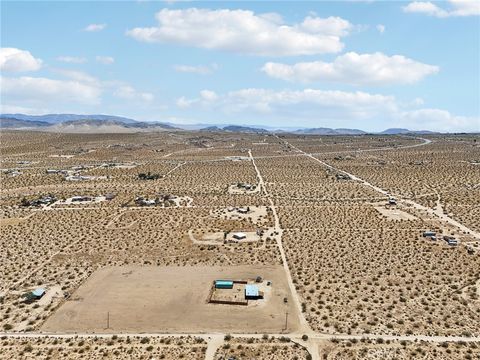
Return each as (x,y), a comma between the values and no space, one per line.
(457,8)
(417,101)
(425,7)
(437,119)
(129,93)
(243,31)
(70,88)
(334,26)
(270,101)
(13,109)
(79,76)
(381,28)
(106,60)
(40,89)
(196,69)
(72,59)
(465,7)
(208,95)
(355,69)
(183,102)
(17,60)
(206,98)
(95,27)
(312,107)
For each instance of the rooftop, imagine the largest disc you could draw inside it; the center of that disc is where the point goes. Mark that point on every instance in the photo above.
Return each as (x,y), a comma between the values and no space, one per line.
(223,282)
(239,235)
(251,290)
(38,292)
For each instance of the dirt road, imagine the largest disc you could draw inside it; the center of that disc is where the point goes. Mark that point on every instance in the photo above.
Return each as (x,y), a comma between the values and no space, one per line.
(417,206)
(305,327)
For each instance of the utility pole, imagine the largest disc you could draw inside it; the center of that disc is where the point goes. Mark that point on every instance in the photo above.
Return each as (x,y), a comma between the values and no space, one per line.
(108,319)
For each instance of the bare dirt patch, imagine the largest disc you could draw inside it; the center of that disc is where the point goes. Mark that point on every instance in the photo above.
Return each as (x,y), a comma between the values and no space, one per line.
(256,214)
(241,188)
(171,299)
(394,213)
(10,221)
(224,238)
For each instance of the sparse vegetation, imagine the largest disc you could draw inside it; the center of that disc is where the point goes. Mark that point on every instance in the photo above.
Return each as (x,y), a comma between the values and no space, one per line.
(357,270)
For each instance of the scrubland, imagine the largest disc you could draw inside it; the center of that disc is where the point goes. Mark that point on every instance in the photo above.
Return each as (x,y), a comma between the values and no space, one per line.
(401,350)
(265,348)
(355,269)
(443,174)
(114,347)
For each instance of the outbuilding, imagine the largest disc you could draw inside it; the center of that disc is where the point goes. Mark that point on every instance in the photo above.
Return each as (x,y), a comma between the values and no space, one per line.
(81,198)
(223,284)
(239,236)
(452,242)
(38,293)
(252,292)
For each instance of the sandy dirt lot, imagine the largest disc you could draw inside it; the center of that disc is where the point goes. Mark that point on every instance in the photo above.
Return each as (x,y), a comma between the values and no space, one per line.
(394,213)
(11,221)
(171,299)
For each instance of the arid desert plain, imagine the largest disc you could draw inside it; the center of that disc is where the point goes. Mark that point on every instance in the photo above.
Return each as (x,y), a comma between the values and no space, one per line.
(209,245)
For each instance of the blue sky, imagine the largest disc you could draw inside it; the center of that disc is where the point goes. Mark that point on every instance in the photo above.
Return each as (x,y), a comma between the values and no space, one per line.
(358,64)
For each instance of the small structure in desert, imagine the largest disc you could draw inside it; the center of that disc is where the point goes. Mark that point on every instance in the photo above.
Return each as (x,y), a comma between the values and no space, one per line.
(239,236)
(40,201)
(34,295)
(38,293)
(429,233)
(245,186)
(252,292)
(80,198)
(235,292)
(452,242)
(342,177)
(141,201)
(223,284)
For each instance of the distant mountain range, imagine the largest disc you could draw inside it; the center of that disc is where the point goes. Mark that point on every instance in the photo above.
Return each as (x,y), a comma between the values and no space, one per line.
(329,131)
(235,128)
(109,123)
(396,131)
(12,123)
(312,131)
(61,118)
(79,123)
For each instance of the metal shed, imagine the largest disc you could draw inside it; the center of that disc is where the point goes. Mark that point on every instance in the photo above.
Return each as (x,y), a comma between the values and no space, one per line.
(38,293)
(239,236)
(223,284)
(251,291)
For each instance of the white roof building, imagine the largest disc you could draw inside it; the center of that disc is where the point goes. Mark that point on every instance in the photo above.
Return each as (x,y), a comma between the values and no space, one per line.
(239,236)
